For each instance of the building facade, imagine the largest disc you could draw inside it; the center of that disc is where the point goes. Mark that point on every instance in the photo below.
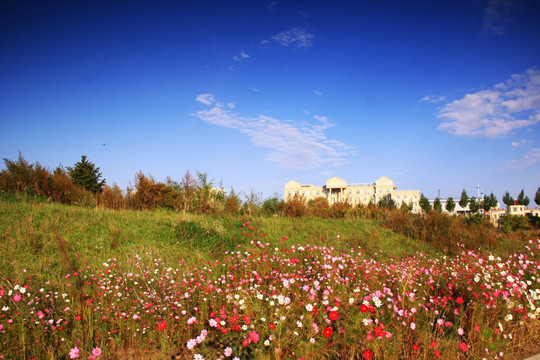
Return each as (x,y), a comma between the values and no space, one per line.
(337,190)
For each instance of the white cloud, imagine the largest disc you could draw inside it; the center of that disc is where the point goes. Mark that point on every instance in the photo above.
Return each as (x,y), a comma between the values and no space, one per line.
(295,146)
(206,99)
(296,37)
(495,112)
(241,56)
(432,99)
(522,143)
(528,160)
(317,92)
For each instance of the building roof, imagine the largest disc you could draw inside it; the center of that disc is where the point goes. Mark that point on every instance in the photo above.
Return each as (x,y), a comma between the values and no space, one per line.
(335,182)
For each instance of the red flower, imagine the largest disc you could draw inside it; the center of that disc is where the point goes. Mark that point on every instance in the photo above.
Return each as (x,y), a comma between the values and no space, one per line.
(363,308)
(368,354)
(162,325)
(459,300)
(463,346)
(333,315)
(415,347)
(437,354)
(327,332)
(271,326)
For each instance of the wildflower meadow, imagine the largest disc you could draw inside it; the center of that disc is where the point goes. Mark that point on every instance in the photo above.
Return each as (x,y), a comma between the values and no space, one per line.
(278,299)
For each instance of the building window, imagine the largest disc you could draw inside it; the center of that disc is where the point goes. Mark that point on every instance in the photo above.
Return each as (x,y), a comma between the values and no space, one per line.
(357,192)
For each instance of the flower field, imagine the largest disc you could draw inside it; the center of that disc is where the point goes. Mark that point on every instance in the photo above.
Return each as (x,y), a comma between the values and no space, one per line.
(286,301)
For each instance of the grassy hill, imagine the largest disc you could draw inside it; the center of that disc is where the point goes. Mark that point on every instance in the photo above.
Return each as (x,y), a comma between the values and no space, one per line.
(34,231)
(92,283)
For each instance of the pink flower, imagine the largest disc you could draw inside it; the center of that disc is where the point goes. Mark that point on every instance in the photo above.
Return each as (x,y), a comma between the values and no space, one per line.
(17,297)
(74,353)
(463,346)
(96,351)
(253,336)
(228,352)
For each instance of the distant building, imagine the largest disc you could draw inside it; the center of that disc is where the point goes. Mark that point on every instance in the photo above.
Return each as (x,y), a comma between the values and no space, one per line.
(337,190)
(522,210)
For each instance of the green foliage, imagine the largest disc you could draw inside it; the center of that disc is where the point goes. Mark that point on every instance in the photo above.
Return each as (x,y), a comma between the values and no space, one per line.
(270,205)
(537,197)
(406,207)
(85,173)
(464,200)
(507,199)
(489,202)
(474,205)
(511,223)
(437,206)
(522,199)
(424,203)
(450,205)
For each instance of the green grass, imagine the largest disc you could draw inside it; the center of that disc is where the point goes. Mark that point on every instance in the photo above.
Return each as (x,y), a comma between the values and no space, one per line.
(30,230)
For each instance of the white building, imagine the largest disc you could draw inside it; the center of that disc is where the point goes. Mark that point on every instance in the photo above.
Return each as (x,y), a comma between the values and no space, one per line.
(337,190)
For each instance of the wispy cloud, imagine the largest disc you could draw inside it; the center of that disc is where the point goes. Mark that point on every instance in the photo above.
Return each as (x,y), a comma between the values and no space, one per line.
(432,99)
(317,92)
(497,16)
(295,37)
(206,99)
(522,143)
(495,112)
(293,145)
(271,5)
(241,56)
(528,160)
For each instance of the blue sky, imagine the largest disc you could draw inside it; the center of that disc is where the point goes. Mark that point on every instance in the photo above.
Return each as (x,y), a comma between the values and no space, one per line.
(438,96)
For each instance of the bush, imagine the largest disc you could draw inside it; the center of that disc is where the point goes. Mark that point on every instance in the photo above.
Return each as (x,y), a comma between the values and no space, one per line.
(511,223)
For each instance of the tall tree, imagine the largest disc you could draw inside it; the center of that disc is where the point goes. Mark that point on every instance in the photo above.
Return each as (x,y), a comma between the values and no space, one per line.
(507,199)
(537,197)
(464,200)
(424,203)
(474,205)
(437,206)
(522,199)
(86,174)
(489,202)
(450,204)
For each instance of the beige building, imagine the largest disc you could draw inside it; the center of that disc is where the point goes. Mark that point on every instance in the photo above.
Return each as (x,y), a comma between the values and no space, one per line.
(522,210)
(337,190)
